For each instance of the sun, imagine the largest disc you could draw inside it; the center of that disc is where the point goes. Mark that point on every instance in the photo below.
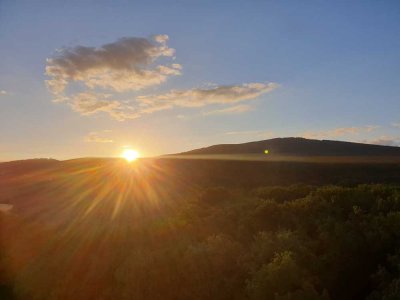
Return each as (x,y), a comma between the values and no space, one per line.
(130,155)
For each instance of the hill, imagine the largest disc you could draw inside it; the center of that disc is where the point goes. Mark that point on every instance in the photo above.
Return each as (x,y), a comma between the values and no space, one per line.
(167,228)
(294,146)
(21,167)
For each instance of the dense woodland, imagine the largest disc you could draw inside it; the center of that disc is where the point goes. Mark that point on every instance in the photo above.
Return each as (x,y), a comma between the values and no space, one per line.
(110,232)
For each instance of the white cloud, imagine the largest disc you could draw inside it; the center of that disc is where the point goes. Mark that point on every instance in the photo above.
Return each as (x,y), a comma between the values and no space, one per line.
(256,133)
(233,110)
(5,93)
(198,97)
(91,103)
(98,137)
(385,140)
(101,74)
(370,128)
(338,132)
(127,64)
(397,125)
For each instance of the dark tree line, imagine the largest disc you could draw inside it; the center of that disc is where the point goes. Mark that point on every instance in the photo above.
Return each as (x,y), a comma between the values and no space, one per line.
(295,242)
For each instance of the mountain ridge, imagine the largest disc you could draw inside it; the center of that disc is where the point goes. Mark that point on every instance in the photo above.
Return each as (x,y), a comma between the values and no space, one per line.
(296,146)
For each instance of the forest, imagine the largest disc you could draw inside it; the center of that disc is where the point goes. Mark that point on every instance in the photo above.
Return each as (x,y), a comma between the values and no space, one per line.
(157,237)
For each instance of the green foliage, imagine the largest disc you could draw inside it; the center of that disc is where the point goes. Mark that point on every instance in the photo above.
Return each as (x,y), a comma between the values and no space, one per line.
(215,195)
(280,243)
(281,194)
(282,278)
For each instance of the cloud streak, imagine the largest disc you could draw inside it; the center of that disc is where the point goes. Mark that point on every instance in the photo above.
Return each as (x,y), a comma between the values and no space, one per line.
(385,141)
(4,93)
(98,137)
(233,110)
(100,76)
(254,133)
(91,103)
(198,97)
(339,132)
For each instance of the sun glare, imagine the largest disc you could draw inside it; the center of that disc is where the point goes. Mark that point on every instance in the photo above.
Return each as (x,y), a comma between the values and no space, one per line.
(130,155)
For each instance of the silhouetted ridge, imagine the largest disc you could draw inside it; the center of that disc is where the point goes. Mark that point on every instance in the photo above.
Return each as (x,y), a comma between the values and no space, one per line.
(27,165)
(300,147)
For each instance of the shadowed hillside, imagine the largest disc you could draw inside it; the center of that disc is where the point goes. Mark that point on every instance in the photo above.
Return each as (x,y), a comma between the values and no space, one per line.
(199,229)
(300,147)
(170,228)
(20,167)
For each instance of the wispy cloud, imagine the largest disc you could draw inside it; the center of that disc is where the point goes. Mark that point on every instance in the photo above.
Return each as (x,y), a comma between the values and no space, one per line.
(92,103)
(384,140)
(198,97)
(339,132)
(254,133)
(132,64)
(129,64)
(397,125)
(370,128)
(98,137)
(233,110)
(3,92)
(89,103)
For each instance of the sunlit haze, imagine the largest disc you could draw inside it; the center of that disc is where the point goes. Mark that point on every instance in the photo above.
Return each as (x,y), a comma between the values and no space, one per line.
(171,76)
(130,155)
(176,150)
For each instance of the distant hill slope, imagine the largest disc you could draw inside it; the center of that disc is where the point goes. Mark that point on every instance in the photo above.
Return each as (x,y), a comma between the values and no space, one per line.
(300,147)
(20,167)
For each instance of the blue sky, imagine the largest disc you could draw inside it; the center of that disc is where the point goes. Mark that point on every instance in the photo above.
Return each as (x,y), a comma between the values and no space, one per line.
(334,66)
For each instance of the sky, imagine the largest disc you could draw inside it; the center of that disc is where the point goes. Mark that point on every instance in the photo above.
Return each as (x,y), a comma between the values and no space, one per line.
(91,78)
